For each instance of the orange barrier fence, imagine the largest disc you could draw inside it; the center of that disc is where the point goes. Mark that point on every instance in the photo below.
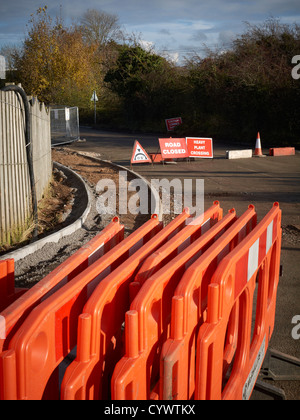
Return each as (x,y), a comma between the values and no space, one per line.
(88,377)
(194,229)
(147,323)
(8,292)
(15,314)
(189,307)
(180,312)
(255,262)
(30,365)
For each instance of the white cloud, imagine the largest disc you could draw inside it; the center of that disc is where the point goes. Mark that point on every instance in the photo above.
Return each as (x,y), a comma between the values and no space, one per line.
(171,56)
(146,45)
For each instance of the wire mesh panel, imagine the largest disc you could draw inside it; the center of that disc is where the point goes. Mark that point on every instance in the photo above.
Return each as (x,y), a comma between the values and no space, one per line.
(64,125)
(2,67)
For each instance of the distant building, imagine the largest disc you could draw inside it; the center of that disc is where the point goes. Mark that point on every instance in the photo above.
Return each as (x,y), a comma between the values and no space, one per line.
(2,67)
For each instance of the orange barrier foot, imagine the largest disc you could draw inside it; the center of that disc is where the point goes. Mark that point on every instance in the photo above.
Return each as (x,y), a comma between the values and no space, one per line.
(283,151)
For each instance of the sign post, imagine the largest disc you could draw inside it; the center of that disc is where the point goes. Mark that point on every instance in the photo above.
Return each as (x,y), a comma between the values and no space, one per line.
(94,99)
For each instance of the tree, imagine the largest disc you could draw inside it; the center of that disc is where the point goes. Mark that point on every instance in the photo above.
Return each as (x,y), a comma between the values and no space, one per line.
(249,88)
(100,28)
(145,81)
(10,51)
(56,64)
(133,63)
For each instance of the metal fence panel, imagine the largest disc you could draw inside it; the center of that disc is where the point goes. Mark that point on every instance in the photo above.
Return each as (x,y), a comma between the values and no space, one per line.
(64,125)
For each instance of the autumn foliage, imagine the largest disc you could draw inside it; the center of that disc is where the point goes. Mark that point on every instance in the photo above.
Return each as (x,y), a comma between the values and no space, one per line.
(56,64)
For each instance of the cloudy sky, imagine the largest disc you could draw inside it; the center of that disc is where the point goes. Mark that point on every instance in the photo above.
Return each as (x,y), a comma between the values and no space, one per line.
(173,27)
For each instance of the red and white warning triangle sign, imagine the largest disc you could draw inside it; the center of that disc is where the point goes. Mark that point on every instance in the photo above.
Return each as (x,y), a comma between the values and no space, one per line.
(139,154)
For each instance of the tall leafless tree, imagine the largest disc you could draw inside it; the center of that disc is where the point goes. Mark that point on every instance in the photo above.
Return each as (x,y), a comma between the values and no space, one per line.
(100,27)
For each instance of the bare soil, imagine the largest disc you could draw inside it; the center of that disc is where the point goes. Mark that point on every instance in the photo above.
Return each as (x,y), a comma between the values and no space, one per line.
(56,204)
(92,171)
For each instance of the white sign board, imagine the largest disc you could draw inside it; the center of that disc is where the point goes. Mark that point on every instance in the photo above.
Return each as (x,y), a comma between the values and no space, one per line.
(139,154)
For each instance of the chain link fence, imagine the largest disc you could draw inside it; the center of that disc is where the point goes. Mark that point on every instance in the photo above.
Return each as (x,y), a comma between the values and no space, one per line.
(64,125)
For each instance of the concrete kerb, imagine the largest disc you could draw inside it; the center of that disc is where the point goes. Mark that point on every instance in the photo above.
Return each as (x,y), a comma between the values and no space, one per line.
(23,252)
(156,198)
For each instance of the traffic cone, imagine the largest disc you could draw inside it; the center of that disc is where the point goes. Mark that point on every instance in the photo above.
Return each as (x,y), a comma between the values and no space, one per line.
(258,151)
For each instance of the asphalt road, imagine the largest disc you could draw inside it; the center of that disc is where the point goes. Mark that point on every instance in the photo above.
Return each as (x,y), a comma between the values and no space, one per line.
(236,184)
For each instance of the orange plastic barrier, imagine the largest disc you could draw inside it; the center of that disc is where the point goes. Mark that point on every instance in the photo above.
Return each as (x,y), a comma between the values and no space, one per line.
(147,324)
(88,377)
(49,333)
(255,259)
(8,292)
(177,244)
(15,314)
(282,151)
(189,306)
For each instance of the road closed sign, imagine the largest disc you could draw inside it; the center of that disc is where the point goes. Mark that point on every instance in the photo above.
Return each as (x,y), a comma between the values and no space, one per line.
(200,147)
(173,148)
